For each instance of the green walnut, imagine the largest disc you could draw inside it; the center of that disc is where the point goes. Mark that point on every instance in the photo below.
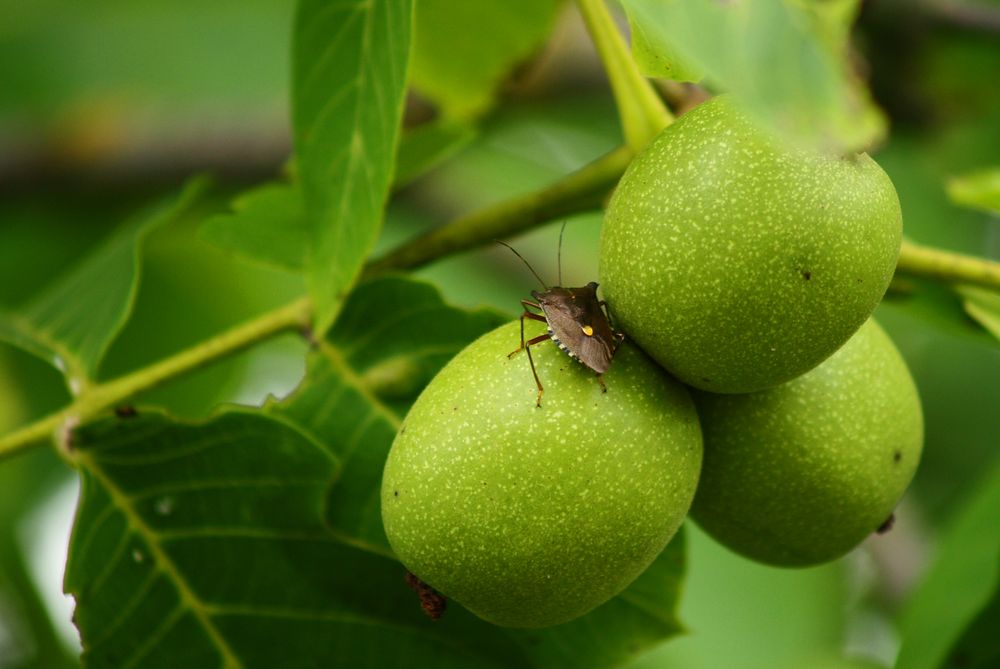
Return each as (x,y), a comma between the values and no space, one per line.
(739,262)
(531,516)
(799,474)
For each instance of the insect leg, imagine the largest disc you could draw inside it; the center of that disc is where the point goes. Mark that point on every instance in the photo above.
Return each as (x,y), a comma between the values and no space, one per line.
(604,388)
(528,304)
(531,361)
(526,314)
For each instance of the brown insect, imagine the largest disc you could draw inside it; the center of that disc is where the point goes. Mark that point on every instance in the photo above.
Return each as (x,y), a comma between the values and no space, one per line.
(431,601)
(578,323)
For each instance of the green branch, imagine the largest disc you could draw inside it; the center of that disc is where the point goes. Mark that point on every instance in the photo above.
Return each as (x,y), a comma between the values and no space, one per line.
(917,260)
(103,396)
(579,191)
(582,190)
(642,112)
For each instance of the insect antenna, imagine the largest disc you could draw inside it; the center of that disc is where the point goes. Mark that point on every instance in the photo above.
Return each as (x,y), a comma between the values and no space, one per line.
(532,269)
(559,251)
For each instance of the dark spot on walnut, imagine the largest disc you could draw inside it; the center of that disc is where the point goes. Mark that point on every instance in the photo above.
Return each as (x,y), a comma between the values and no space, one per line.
(806,274)
(897,456)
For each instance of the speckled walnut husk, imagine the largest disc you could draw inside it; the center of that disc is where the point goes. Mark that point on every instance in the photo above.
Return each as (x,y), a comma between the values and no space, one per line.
(800,474)
(528,516)
(739,263)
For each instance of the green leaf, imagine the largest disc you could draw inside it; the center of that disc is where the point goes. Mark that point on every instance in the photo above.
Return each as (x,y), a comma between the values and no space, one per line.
(266,223)
(979,646)
(984,306)
(786,61)
(659,59)
(960,590)
(393,335)
(463,50)
(427,146)
(979,190)
(204,546)
(255,539)
(936,304)
(348,85)
(74,320)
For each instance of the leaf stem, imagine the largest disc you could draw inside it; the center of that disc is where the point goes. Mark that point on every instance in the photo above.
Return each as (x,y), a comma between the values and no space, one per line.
(642,112)
(915,259)
(105,395)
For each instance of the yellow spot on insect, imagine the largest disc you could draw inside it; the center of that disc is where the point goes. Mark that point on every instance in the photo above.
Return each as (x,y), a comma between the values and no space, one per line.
(587,330)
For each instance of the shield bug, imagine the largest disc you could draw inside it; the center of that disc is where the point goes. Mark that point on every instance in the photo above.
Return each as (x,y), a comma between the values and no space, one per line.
(578,323)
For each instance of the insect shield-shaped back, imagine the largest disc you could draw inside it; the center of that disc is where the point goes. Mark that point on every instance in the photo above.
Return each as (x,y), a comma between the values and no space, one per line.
(578,325)
(577,322)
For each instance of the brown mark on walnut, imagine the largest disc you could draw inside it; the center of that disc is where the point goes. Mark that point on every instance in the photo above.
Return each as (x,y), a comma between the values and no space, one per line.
(432,601)
(395,493)
(887,524)
(806,274)
(897,456)
(126,411)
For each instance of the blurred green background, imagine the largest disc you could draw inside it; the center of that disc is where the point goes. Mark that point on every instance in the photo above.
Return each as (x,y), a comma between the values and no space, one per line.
(106,105)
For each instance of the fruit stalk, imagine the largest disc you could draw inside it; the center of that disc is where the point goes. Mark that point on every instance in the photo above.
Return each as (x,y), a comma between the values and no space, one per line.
(642,113)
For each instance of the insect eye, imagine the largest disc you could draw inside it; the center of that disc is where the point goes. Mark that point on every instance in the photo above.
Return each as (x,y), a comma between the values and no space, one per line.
(587,330)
